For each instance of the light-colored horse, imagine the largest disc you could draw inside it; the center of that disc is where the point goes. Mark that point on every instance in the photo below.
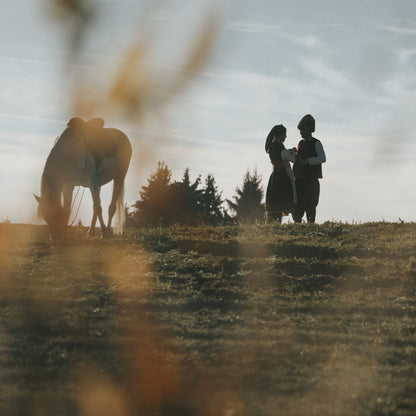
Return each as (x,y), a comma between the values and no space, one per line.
(71,163)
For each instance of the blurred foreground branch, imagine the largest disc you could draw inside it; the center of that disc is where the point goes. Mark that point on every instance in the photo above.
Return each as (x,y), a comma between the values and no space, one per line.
(132,87)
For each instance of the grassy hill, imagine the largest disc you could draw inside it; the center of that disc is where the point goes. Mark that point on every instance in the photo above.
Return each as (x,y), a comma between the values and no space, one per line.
(249,320)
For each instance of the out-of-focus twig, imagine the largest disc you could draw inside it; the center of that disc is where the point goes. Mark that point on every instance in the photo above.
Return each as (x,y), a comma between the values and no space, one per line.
(133,87)
(76,17)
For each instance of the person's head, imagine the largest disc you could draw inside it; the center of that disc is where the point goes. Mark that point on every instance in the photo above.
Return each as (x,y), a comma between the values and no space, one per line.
(280,133)
(306,126)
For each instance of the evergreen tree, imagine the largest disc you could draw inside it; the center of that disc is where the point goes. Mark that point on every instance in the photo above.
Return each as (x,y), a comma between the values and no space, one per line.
(247,205)
(154,206)
(211,202)
(185,203)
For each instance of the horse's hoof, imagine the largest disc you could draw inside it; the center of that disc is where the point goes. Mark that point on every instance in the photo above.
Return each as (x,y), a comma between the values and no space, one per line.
(106,233)
(91,232)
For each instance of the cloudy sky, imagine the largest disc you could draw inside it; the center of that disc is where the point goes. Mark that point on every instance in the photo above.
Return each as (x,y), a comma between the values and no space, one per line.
(350,64)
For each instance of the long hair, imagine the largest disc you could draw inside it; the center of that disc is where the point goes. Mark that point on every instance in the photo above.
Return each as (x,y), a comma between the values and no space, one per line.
(275,132)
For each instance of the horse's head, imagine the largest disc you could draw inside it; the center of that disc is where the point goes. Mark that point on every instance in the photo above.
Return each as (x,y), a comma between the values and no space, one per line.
(54,216)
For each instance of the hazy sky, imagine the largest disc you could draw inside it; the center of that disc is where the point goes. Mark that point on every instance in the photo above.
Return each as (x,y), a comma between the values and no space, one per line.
(350,64)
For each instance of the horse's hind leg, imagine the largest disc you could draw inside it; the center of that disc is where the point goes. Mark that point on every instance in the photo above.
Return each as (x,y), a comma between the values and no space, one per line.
(117,190)
(98,211)
(91,230)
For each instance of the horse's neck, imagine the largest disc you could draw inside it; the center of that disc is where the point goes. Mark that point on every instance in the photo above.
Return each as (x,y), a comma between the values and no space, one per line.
(67,163)
(53,172)
(51,186)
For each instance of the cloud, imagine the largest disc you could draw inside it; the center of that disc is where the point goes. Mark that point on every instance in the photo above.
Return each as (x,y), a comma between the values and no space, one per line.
(307,39)
(405,55)
(322,70)
(400,30)
(249,27)
(29,118)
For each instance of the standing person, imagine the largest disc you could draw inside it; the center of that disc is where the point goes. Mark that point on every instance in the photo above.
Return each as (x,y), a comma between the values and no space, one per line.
(279,194)
(308,170)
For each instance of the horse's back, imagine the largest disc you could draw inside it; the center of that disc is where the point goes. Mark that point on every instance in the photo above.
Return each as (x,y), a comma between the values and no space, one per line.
(114,142)
(72,162)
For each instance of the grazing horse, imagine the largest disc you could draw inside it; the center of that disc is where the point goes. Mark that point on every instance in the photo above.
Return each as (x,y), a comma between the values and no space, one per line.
(85,154)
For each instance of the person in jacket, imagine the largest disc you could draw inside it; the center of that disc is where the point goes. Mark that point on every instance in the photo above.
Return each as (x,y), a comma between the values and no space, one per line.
(308,170)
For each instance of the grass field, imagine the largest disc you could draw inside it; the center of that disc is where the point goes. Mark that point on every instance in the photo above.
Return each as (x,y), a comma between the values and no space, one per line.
(254,320)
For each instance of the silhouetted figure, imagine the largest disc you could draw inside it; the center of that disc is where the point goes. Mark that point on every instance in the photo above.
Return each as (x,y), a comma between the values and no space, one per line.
(280,194)
(73,161)
(308,170)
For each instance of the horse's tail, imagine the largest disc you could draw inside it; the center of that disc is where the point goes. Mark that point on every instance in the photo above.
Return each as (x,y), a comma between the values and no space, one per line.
(120,213)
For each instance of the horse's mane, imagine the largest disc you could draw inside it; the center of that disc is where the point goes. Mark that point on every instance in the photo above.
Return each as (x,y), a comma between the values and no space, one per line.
(51,176)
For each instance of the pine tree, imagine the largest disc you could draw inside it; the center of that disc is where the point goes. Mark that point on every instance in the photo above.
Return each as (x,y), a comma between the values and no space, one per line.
(185,198)
(211,201)
(247,205)
(154,207)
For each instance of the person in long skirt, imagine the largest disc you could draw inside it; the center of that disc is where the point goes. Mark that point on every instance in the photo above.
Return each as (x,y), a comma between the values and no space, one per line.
(279,194)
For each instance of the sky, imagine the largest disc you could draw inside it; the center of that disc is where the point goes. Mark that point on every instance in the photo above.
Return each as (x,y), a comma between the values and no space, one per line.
(349,64)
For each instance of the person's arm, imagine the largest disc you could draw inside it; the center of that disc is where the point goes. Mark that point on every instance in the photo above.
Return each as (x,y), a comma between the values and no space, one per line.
(320,155)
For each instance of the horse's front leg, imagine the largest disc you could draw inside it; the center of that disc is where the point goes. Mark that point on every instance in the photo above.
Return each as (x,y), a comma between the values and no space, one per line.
(91,230)
(67,192)
(98,211)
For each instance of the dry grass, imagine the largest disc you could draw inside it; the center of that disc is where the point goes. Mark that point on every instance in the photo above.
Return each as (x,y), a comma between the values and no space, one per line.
(291,320)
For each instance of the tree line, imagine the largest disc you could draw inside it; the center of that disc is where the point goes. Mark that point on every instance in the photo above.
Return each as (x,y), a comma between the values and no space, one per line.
(166,202)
